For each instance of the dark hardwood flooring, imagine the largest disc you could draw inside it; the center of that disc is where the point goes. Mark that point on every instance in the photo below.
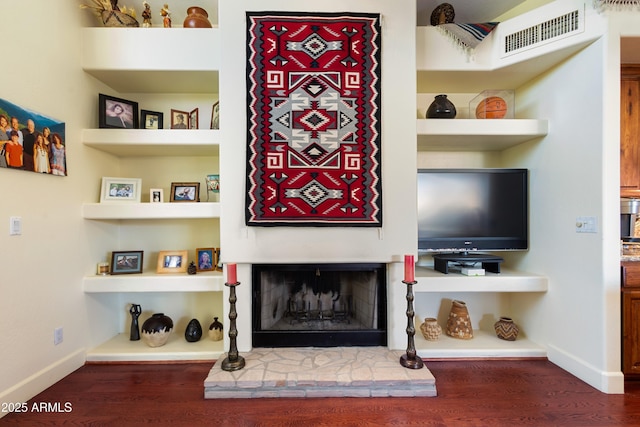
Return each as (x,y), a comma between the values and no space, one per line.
(470,393)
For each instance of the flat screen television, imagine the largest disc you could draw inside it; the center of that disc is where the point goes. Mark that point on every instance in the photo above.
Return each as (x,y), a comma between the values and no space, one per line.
(462,210)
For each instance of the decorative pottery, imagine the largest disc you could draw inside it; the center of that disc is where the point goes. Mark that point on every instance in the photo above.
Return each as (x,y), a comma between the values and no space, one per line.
(506,329)
(192,268)
(156,330)
(197,17)
(441,108)
(443,14)
(135,311)
(115,18)
(459,322)
(193,332)
(215,330)
(430,329)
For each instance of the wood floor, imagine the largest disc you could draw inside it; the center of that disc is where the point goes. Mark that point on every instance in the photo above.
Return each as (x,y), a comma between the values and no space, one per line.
(470,393)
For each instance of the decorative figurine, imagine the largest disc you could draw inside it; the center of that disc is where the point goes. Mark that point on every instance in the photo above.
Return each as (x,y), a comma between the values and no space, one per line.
(146,15)
(192,268)
(135,311)
(166,16)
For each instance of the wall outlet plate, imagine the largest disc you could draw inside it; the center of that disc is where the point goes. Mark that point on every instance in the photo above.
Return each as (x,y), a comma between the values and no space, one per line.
(586,224)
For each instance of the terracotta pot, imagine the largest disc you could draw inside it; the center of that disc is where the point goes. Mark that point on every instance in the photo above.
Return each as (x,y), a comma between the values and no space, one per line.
(459,322)
(430,329)
(197,17)
(506,329)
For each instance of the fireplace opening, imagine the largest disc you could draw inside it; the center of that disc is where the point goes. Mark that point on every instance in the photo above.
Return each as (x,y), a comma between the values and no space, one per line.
(319,305)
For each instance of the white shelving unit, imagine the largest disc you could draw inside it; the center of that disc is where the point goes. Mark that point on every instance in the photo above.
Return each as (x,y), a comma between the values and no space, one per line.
(430,280)
(117,211)
(151,282)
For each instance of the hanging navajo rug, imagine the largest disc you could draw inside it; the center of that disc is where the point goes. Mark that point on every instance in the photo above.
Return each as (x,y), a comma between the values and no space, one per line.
(313,110)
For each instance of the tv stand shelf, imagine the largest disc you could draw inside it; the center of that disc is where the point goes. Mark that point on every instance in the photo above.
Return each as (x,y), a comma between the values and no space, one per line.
(430,280)
(490,263)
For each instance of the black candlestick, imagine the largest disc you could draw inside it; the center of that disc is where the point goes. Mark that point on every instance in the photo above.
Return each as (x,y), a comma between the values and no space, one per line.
(233,361)
(410,359)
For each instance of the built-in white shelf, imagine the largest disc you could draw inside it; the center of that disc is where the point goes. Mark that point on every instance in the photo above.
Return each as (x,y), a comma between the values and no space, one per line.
(482,345)
(153,60)
(430,280)
(152,282)
(152,143)
(477,135)
(121,349)
(166,210)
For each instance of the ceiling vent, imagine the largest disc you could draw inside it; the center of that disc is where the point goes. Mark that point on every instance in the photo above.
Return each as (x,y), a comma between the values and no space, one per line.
(543,33)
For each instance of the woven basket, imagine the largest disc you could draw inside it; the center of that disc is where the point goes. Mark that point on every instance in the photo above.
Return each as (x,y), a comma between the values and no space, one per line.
(114,18)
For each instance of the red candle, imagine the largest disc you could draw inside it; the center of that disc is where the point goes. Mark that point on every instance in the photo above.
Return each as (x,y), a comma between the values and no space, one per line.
(409,268)
(232,275)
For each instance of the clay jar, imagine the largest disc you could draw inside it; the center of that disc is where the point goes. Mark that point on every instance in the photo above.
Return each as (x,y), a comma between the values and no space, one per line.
(459,322)
(156,330)
(215,330)
(197,17)
(430,329)
(506,329)
(441,108)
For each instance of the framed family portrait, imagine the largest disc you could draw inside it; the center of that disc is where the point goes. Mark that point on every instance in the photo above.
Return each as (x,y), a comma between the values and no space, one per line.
(117,113)
(179,119)
(120,190)
(172,262)
(215,116)
(185,192)
(206,259)
(151,120)
(126,262)
(156,195)
(193,119)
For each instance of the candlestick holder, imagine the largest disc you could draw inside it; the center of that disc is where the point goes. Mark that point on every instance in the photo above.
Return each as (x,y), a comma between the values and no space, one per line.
(233,361)
(410,359)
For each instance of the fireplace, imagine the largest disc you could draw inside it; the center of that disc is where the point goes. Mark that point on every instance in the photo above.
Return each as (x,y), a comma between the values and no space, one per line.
(319,305)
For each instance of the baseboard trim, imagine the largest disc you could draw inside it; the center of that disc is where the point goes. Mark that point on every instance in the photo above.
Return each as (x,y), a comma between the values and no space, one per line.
(604,381)
(43,379)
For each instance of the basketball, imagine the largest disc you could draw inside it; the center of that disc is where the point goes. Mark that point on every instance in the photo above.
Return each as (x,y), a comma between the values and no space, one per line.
(492,107)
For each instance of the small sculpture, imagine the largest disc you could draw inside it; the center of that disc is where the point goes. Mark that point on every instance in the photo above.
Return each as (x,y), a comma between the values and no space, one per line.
(135,311)
(166,16)
(146,15)
(192,268)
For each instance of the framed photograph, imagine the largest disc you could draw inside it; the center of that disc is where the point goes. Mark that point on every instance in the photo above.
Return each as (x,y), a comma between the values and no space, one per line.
(172,262)
(185,192)
(126,262)
(215,116)
(117,113)
(206,259)
(179,119)
(213,183)
(193,119)
(156,195)
(151,120)
(218,259)
(120,190)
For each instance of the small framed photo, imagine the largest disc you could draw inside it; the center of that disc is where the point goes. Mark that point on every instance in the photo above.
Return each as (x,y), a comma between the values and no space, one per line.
(193,119)
(179,119)
(215,116)
(172,262)
(213,183)
(206,258)
(126,262)
(156,195)
(151,120)
(185,192)
(117,113)
(120,190)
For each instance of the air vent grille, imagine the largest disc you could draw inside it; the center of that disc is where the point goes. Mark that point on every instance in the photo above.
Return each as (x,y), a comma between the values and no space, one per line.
(541,33)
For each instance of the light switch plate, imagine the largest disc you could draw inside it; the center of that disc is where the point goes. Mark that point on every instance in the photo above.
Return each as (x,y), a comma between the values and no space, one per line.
(15,226)
(586,224)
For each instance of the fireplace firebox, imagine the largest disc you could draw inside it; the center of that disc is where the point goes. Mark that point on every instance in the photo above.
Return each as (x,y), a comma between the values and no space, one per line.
(319,305)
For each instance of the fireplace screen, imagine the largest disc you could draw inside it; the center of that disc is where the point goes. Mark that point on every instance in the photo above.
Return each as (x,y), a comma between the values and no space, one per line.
(323,305)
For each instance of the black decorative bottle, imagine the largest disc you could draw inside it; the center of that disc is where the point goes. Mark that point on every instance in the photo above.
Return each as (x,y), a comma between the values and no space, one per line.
(135,311)
(441,108)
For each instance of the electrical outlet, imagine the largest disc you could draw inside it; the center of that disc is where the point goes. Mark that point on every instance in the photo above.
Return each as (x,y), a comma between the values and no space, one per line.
(57,336)
(586,224)
(15,226)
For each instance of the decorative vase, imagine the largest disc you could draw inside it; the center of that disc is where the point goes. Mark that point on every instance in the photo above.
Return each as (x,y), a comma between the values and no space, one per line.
(156,330)
(506,329)
(215,330)
(430,329)
(192,268)
(459,322)
(135,311)
(197,17)
(193,333)
(441,108)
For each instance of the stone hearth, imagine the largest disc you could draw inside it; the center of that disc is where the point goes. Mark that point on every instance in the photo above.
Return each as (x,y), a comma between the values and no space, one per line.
(320,372)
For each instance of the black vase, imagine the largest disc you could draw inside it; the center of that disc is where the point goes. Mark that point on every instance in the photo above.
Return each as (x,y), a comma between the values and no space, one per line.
(156,330)
(135,311)
(441,108)
(193,333)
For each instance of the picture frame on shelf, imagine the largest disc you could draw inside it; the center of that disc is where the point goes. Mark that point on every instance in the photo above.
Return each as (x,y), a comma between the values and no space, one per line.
(185,192)
(126,262)
(213,184)
(179,119)
(153,120)
(218,259)
(206,259)
(156,195)
(193,119)
(117,113)
(172,262)
(215,115)
(117,190)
